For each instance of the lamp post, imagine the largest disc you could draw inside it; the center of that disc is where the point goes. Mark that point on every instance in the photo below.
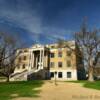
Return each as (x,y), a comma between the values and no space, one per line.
(55,78)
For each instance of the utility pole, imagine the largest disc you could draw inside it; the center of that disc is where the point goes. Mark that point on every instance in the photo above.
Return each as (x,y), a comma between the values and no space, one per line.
(55,78)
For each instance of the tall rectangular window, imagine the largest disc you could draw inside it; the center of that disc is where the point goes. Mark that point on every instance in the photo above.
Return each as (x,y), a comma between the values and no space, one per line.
(60,74)
(68,63)
(60,54)
(59,64)
(68,53)
(52,64)
(19,59)
(69,75)
(18,66)
(25,50)
(52,55)
(24,58)
(52,74)
(20,51)
(23,66)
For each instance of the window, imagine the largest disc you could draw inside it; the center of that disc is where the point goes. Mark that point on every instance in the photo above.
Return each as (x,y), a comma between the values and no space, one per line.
(52,74)
(18,66)
(68,63)
(19,59)
(52,46)
(25,50)
(52,55)
(60,74)
(59,54)
(23,66)
(68,74)
(20,51)
(52,64)
(59,64)
(24,58)
(68,53)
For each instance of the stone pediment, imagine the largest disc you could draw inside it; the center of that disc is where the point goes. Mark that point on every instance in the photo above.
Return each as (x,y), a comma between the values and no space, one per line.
(37,46)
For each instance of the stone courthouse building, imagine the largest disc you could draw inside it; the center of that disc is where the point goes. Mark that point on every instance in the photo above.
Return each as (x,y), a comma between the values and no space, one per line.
(47,62)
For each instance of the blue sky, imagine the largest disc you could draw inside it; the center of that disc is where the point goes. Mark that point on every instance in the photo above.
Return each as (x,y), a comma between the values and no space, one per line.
(44,21)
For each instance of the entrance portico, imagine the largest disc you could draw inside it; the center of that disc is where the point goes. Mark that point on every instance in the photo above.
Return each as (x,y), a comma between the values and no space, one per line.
(38,57)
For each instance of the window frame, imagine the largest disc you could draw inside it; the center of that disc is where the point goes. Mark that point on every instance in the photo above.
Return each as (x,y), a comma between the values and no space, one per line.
(19,59)
(24,57)
(60,54)
(52,55)
(60,73)
(69,53)
(69,74)
(23,66)
(68,63)
(53,64)
(51,74)
(60,63)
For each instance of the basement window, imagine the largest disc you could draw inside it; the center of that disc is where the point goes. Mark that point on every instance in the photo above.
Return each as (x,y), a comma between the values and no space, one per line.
(52,74)
(60,74)
(23,66)
(69,75)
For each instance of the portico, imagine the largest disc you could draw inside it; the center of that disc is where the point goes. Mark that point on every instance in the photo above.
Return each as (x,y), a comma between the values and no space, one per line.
(38,58)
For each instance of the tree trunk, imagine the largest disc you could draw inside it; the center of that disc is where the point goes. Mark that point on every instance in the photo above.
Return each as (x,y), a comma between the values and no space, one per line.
(90,74)
(7,78)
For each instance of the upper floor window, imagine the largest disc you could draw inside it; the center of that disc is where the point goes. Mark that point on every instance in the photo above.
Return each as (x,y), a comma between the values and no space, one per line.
(23,66)
(60,54)
(52,64)
(24,58)
(25,50)
(68,53)
(59,64)
(20,51)
(52,55)
(69,63)
(19,59)
(52,46)
(18,66)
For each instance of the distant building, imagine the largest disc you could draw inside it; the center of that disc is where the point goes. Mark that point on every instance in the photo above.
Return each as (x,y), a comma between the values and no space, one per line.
(47,62)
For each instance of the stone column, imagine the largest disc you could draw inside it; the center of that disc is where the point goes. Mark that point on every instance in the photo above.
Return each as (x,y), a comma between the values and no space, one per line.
(32,59)
(29,65)
(43,59)
(40,59)
(36,62)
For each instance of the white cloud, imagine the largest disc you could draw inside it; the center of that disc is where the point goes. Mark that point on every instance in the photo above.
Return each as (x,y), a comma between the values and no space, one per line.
(30,20)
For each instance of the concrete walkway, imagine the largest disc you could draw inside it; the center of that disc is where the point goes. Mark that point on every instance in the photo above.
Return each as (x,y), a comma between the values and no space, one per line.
(65,91)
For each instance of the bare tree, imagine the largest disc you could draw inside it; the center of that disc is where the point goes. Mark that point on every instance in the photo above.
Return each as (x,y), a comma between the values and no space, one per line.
(88,42)
(8,47)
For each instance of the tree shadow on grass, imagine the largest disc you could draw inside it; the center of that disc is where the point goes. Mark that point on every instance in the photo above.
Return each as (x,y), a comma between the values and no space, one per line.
(13,90)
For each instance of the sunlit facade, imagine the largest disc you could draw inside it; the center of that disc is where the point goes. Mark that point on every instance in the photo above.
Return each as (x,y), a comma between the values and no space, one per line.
(46,62)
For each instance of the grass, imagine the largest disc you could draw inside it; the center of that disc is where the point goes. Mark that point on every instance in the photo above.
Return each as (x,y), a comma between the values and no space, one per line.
(87,84)
(19,89)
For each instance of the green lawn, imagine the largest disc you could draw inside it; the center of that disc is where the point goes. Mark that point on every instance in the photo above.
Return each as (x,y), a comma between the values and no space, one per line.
(19,89)
(87,84)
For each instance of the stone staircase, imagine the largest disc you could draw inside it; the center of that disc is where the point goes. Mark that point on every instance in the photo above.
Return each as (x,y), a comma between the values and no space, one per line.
(24,76)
